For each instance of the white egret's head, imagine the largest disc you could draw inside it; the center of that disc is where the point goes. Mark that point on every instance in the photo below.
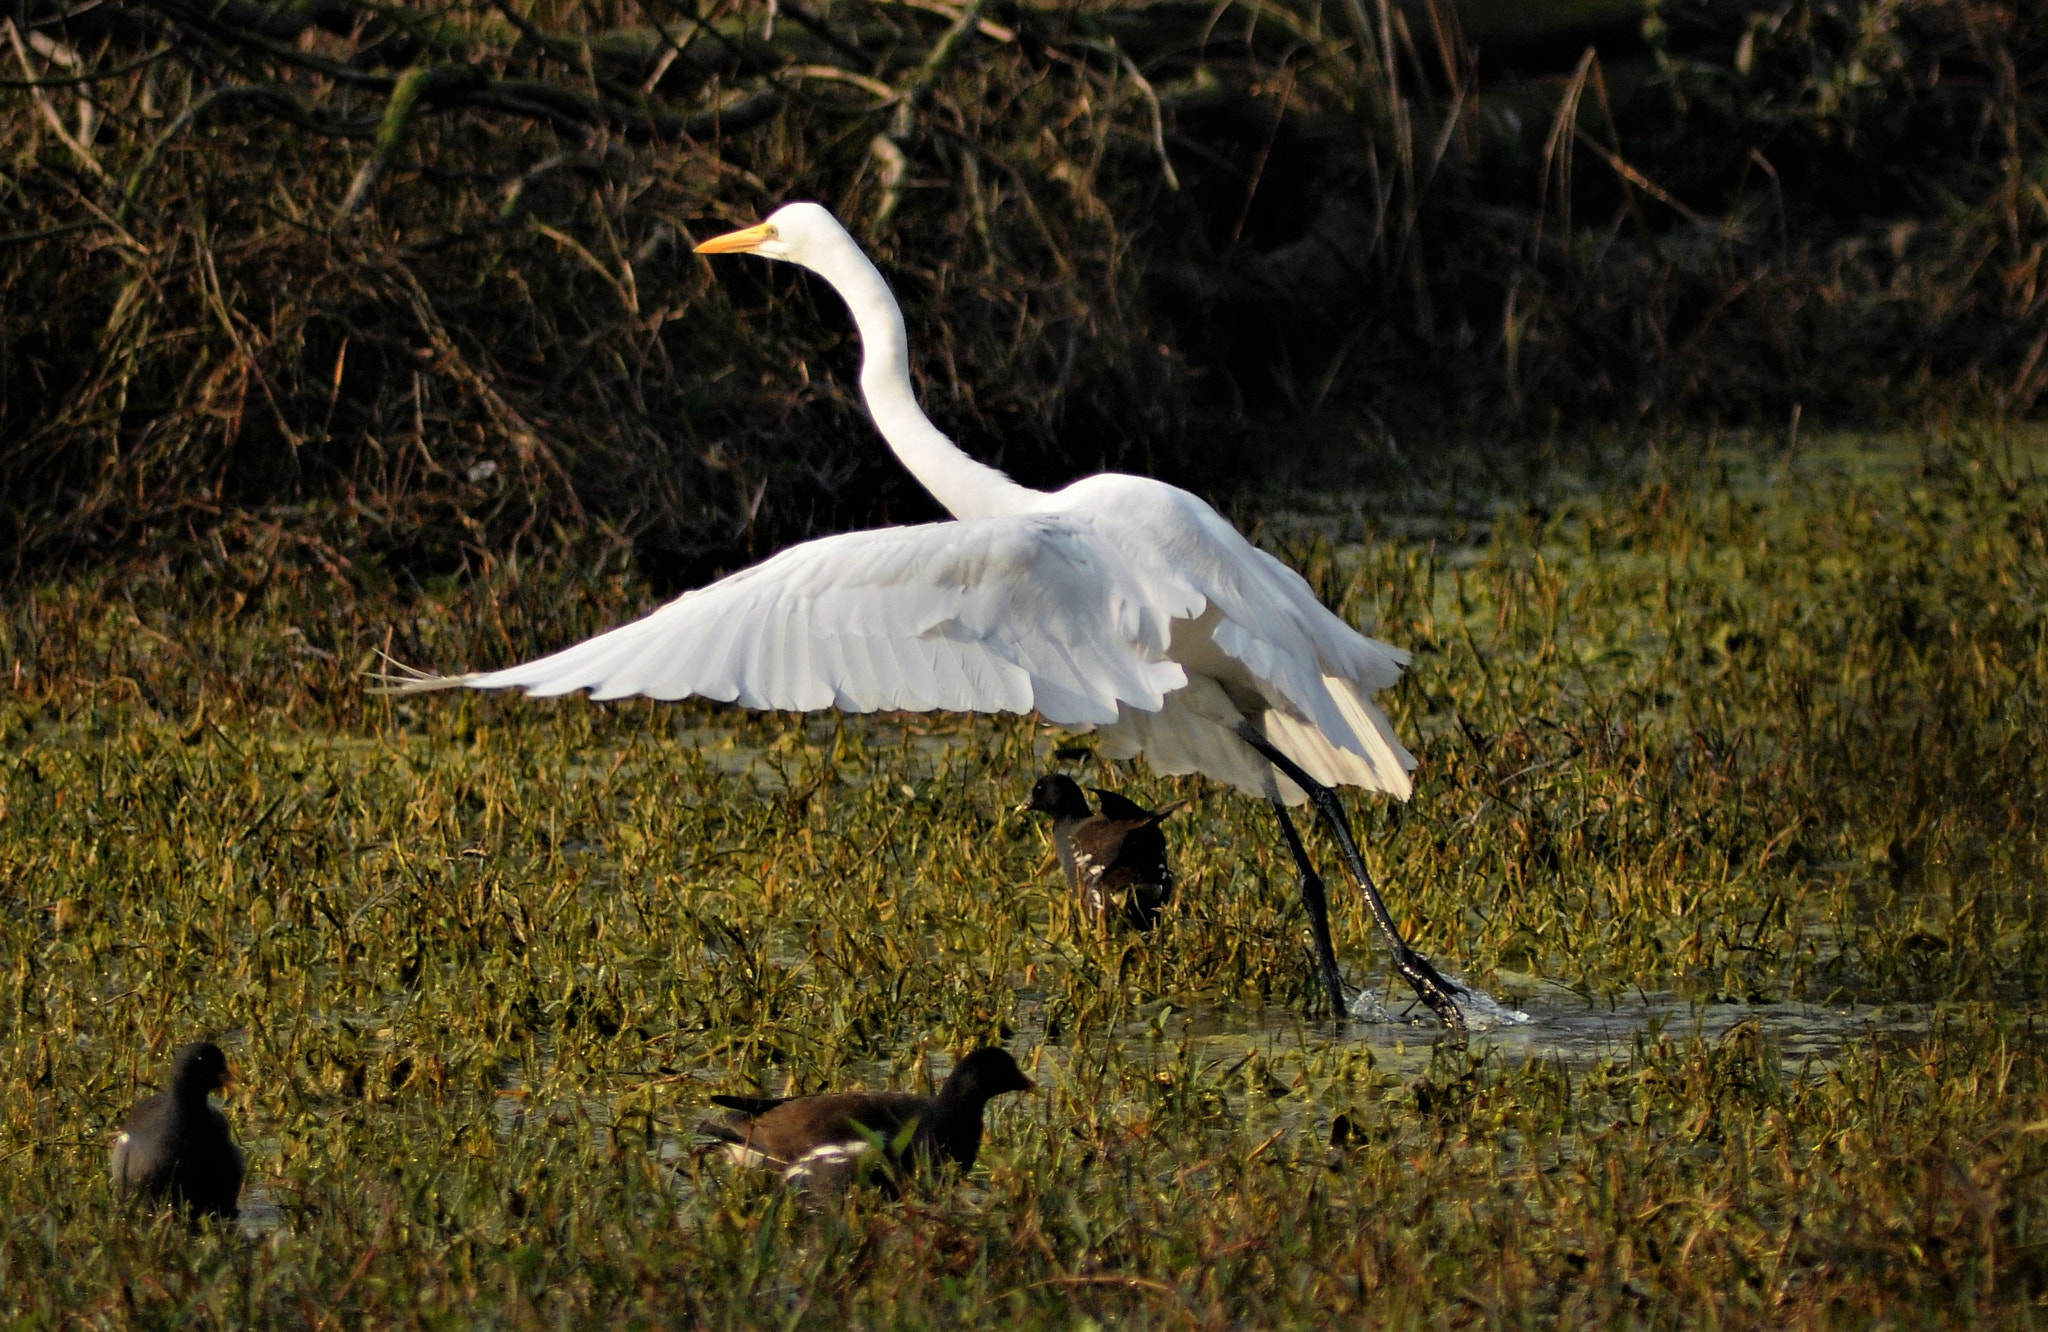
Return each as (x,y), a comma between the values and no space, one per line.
(806,235)
(800,233)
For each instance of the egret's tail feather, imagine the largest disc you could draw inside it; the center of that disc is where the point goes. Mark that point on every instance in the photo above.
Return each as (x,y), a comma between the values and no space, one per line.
(1382,767)
(404,679)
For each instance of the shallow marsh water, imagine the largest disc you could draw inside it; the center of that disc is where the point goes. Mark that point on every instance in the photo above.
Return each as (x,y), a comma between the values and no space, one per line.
(1731,784)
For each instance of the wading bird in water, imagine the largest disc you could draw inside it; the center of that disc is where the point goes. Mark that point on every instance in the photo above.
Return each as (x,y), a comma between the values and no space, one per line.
(1119,604)
(823,1141)
(176,1147)
(1115,861)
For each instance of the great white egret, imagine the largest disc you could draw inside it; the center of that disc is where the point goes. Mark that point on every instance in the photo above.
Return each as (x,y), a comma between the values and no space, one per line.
(1118,604)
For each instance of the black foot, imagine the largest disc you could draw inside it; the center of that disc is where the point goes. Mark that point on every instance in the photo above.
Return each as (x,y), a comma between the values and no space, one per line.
(1326,953)
(1430,987)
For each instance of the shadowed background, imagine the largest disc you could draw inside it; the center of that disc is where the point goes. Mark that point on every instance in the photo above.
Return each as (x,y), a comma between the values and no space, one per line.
(415,282)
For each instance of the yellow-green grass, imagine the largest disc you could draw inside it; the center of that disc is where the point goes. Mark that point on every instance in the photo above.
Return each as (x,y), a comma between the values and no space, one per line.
(1750,738)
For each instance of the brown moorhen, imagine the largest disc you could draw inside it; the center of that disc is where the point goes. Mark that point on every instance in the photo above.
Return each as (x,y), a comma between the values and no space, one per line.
(821,1141)
(175,1146)
(1116,859)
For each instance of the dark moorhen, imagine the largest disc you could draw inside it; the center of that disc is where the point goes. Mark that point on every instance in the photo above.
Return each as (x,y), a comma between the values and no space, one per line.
(1116,859)
(175,1146)
(821,1141)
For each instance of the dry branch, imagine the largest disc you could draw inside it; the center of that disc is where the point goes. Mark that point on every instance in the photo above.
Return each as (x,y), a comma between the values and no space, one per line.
(1126,234)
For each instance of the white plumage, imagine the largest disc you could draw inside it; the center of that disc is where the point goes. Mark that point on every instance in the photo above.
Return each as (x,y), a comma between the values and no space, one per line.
(1119,604)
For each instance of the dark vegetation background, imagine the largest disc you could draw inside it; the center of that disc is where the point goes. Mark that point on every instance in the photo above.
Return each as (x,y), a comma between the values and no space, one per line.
(331,279)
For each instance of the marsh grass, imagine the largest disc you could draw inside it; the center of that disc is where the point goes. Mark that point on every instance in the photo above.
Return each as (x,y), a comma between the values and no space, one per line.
(1741,730)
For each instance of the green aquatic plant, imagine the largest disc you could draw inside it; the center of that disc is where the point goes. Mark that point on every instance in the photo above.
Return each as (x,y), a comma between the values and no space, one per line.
(1730,778)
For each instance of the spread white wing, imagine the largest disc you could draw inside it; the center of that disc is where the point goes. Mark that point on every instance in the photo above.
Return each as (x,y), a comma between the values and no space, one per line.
(1264,626)
(1019,613)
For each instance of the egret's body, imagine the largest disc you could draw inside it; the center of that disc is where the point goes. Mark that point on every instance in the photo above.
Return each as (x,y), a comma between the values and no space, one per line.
(1119,604)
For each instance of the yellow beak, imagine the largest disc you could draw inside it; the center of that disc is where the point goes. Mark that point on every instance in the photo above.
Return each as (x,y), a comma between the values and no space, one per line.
(738,242)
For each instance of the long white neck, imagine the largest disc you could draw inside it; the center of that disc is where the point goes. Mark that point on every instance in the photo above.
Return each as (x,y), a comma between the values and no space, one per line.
(967,489)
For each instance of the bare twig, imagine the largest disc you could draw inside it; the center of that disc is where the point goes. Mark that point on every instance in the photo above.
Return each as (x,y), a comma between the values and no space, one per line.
(56,122)
(1144,86)
(406,94)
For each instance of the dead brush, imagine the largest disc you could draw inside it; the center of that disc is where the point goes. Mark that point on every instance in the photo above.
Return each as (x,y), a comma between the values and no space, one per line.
(414,282)
(423,313)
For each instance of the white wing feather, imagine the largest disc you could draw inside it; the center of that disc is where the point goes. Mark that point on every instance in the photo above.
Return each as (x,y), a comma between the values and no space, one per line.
(1319,673)
(1067,611)
(1020,613)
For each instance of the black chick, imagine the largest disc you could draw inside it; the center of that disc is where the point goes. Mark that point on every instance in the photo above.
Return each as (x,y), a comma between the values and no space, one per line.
(1116,859)
(175,1146)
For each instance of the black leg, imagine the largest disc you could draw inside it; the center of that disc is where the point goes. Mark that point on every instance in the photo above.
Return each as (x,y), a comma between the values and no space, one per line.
(1430,987)
(1318,907)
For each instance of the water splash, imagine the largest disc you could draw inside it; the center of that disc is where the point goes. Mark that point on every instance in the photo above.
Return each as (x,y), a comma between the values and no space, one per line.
(1482,1011)
(1365,1006)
